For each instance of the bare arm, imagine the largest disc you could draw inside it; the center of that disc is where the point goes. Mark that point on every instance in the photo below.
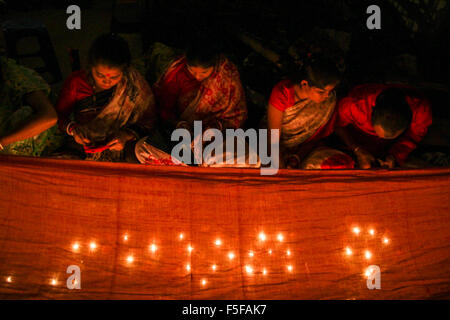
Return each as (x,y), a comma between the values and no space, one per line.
(274,121)
(44,119)
(365,159)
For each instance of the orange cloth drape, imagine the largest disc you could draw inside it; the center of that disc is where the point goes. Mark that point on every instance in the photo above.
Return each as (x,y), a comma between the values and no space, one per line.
(48,205)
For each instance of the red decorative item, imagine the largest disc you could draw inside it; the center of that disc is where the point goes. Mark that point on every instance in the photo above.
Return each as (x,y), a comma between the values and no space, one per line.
(95,149)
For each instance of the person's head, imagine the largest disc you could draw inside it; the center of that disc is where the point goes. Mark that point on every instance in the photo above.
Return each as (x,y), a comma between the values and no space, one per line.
(202,55)
(109,57)
(317,79)
(391,115)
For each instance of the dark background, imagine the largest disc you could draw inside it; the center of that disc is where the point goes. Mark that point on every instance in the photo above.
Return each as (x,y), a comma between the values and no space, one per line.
(412,47)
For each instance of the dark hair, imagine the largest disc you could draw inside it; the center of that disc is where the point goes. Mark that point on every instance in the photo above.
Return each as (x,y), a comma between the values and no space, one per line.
(203,51)
(391,111)
(110,50)
(319,72)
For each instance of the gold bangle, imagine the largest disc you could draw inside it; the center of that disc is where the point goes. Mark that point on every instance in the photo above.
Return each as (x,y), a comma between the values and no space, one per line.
(1,147)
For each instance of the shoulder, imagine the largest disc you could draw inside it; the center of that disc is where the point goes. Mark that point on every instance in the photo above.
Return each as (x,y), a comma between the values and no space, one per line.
(227,68)
(21,79)
(419,104)
(77,79)
(367,91)
(282,96)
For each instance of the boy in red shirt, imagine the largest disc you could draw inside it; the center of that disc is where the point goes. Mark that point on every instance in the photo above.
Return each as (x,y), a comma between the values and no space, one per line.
(383,123)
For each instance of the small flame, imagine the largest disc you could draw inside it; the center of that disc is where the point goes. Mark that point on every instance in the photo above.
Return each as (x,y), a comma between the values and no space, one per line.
(262,236)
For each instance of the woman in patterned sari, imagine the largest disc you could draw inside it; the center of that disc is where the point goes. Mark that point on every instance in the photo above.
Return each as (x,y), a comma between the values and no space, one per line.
(27,117)
(303,108)
(201,84)
(107,106)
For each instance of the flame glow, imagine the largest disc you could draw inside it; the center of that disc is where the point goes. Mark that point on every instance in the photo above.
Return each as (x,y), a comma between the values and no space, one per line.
(348,251)
(262,236)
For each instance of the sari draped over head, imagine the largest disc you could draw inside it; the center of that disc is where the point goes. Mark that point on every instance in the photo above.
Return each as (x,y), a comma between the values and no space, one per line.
(127,106)
(303,119)
(220,97)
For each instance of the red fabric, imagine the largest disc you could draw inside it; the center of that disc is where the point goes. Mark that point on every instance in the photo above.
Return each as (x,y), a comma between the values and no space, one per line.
(175,93)
(95,149)
(75,88)
(220,97)
(47,205)
(356,110)
(283,97)
(338,161)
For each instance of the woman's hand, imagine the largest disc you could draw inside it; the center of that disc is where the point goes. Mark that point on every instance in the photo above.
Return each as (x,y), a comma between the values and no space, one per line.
(388,163)
(365,158)
(121,139)
(79,136)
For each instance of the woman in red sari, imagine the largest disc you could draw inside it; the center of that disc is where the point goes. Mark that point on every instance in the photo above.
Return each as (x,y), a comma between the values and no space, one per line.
(201,84)
(303,108)
(106,106)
